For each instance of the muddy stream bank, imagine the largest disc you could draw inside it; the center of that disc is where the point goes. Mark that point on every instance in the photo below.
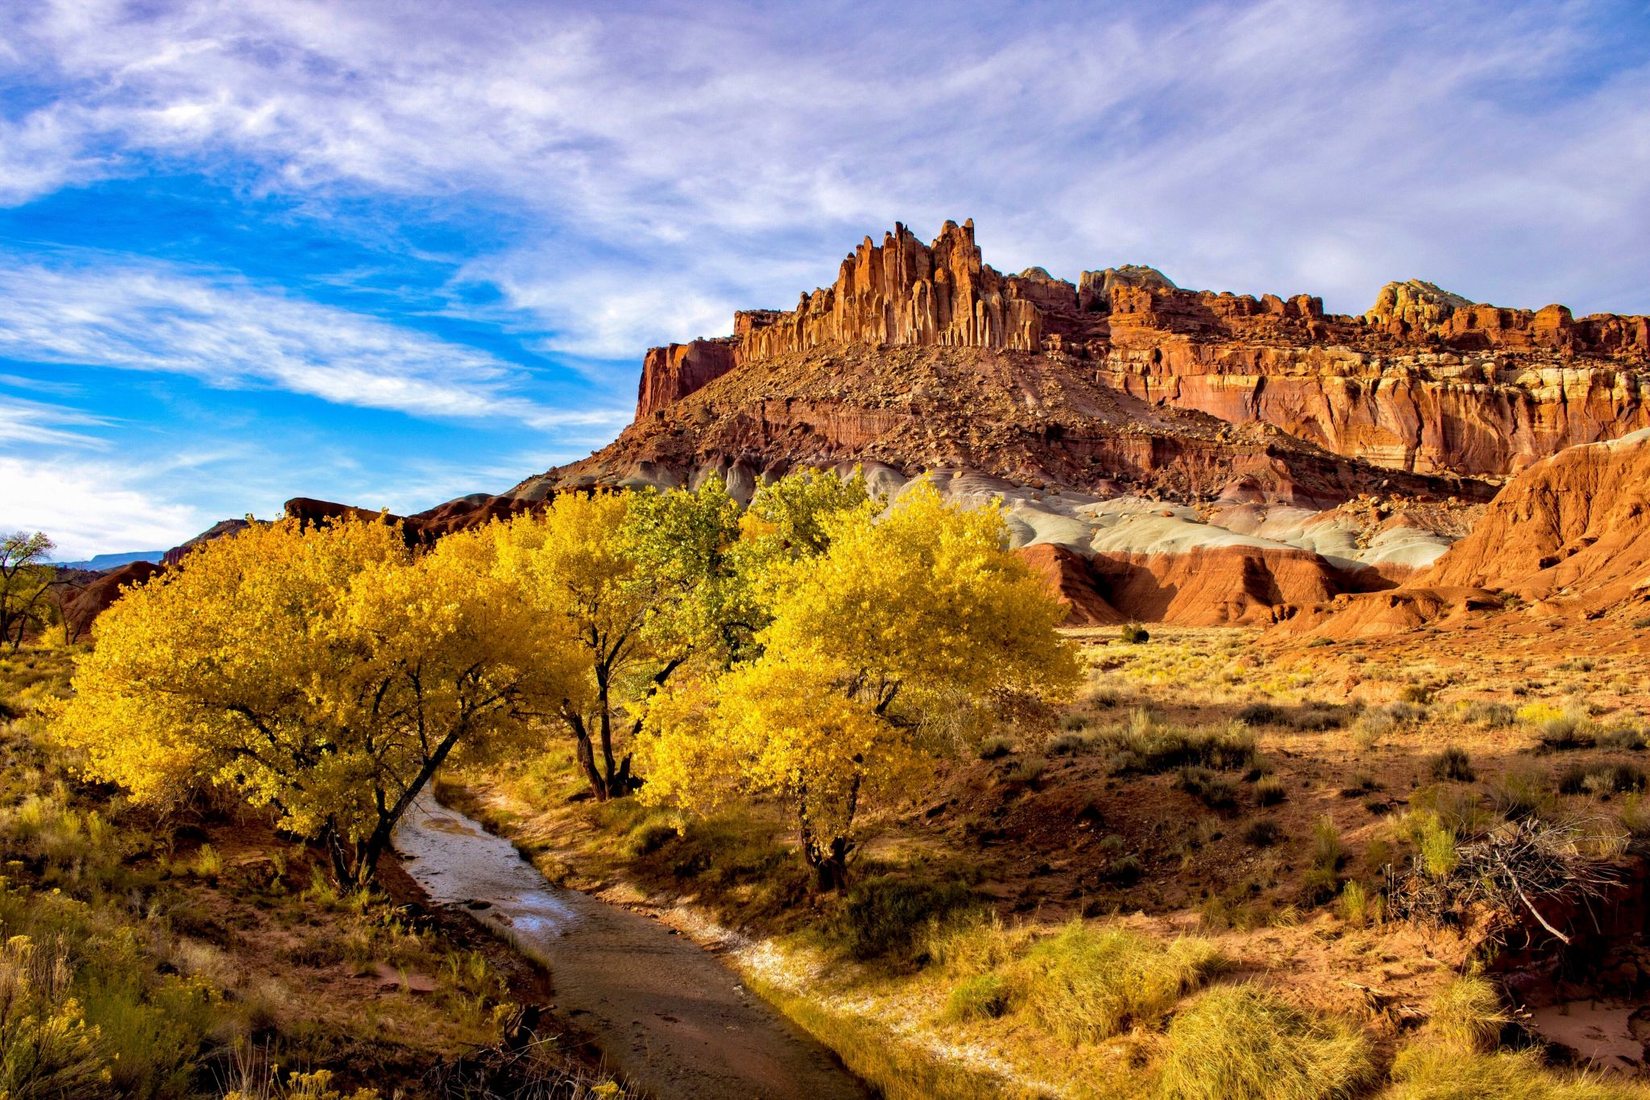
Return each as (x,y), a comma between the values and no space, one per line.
(667,1015)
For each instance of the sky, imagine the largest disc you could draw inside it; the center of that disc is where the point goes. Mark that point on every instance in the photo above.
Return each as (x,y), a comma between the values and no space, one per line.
(392,252)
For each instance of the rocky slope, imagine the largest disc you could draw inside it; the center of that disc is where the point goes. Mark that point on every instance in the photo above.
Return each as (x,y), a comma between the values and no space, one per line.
(1567,540)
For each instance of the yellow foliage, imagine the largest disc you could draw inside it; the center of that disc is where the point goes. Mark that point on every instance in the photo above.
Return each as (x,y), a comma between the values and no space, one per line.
(902,619)
(325,673)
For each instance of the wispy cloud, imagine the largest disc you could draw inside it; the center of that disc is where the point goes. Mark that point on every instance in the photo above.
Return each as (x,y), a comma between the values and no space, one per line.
(35,423)
(227,333)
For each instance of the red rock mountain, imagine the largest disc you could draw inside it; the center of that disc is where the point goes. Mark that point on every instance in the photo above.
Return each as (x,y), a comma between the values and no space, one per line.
(1425,381)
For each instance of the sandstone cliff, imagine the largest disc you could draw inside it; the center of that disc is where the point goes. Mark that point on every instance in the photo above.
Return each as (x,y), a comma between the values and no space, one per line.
(1424,382)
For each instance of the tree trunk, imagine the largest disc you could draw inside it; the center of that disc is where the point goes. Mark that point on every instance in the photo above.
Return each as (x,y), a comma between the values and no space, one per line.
(585,752)
(829,861)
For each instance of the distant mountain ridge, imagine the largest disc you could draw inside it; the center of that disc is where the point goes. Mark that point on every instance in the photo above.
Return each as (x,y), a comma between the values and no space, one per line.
(100,562)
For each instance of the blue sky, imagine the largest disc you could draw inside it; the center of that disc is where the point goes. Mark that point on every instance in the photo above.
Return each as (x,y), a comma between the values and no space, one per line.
(389,253)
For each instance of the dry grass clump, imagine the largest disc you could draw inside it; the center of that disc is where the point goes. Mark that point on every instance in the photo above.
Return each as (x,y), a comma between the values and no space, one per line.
(1488,715)
(1149,745)
(1522,792)
(1270,790)
(1243,1043)
(1454,1057)
(1425,1071)
(1084,984)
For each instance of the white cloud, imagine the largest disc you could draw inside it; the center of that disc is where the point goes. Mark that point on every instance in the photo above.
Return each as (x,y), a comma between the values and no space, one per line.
(90,508)
(228,333)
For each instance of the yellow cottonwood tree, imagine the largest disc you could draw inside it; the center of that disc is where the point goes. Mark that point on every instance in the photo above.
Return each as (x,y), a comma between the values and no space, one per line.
(326,673)
(903,618)
(636,582)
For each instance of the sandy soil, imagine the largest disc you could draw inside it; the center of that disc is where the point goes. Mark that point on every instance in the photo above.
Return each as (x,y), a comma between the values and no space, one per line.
(666,1014)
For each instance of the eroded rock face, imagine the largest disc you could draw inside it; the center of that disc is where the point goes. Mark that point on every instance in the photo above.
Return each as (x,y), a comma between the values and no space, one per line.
(672,372)
(1425,381)
(1575,525)
(1568,536)
(902,292)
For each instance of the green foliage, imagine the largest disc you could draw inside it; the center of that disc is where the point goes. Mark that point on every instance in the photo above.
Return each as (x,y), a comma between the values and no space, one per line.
(1436,844)
(1134,634)
(1243,1043)
(872,649)
(1358,907)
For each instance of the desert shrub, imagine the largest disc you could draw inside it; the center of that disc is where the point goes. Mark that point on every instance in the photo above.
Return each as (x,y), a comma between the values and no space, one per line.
(1028,770)
(1558,729)
(983,996)
(1316,717)
(1215,791)
(47,1047)
(1521,792)
(1600,779)
(995,748)
(1635,816)
(1460,809)
(1269,791)
(1085,984)
(1452,764)
(883,916)
(1070,744)
(1379,722)
(1261,714)
(1148,745)
(1358,906)
(1125,870)
(1436,845)
(1489,715)
(1623,738)
(1263,833)
(650,837)
(1243,1043)
(1074,723)
(1327,849)
(1134,634)
(1416,693)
